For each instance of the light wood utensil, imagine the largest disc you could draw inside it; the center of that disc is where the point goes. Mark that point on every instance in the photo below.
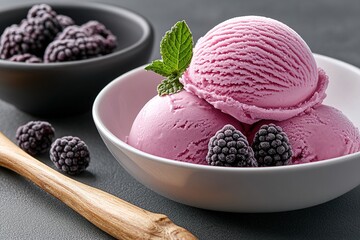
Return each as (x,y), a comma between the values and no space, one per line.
(117,217)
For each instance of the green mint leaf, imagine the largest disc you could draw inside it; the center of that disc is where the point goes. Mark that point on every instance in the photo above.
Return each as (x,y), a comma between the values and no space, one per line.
(176,49)
(169,86)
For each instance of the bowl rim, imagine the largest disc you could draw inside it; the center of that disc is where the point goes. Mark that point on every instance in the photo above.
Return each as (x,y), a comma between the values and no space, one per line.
(140,20)
(297,167)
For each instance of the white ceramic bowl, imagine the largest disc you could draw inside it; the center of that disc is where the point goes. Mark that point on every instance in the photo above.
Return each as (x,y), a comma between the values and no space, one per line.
(268,189)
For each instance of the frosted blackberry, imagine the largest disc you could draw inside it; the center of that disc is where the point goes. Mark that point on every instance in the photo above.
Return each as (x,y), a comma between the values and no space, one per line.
(72,32)
(15,41)
(35,137)
(70,155)
(97,28)
(271,146)
(26,57)
(42,30)
(230,148)
(64,21)
(32,35)
(73,49)
(39,10)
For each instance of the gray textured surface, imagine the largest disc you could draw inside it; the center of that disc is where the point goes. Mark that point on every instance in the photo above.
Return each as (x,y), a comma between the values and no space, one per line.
(330,27)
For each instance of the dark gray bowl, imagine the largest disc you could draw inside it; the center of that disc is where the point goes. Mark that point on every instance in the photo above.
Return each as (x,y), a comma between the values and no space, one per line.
(60,89)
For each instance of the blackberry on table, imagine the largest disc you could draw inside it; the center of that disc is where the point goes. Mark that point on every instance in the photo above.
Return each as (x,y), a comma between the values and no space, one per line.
(271,146)
(230,148)
(26,57)
(70,155)
(35,137)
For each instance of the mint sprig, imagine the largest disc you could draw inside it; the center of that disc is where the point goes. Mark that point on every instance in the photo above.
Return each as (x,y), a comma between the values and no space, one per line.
(176,50)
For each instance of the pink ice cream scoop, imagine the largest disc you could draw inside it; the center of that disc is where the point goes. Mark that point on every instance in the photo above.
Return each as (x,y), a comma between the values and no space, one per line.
(322,133)
(255,68)
(178,127)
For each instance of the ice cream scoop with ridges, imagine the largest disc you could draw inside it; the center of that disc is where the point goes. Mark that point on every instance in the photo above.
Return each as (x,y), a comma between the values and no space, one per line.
(319,134)
(255,68)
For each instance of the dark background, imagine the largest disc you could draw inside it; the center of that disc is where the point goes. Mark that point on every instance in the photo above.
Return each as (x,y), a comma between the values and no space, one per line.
(330,27)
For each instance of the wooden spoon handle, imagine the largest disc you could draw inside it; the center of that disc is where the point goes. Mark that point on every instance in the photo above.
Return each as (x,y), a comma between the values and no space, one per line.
(117,217)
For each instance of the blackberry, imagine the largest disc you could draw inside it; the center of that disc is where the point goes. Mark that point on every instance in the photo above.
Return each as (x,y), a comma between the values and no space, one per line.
(97,28)
(26,57)
(73,49)
(39,10)
(64,21)
(70,155)
(91,29)
(32,35)
(230,148)
(35,137)
(15,41)
(42,30)
(271,146)
(72,32)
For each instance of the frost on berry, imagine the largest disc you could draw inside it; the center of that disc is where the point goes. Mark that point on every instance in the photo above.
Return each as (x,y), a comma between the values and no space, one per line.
(230,148)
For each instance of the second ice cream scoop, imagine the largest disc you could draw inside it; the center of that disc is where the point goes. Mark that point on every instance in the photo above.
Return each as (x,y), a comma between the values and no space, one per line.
(178,126)
(255,68)
(319,134)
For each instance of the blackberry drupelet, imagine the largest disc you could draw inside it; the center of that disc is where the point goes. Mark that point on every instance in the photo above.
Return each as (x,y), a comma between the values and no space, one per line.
(230,148)
(73,49)
(70,155)
(26,57)
(271,146)
(97,28)
(35,137)
(15,41)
